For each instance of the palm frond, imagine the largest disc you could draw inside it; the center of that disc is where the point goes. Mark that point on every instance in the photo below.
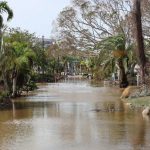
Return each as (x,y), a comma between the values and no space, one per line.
(9,11)
(5,8)
(1,21)
(21,62)
(109,63)
(30,54)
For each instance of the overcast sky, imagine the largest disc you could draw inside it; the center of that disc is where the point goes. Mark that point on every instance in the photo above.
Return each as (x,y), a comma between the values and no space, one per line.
(36,15)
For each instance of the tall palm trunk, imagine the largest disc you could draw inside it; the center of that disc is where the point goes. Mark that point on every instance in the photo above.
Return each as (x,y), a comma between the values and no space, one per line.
(0,42)
(14,92)
(123,77)
(4,77)
(14,81)
(139,38)
(4,8)
(65,69)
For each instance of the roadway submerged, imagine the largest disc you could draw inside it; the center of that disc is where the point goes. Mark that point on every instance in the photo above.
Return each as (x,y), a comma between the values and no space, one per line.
(73,115)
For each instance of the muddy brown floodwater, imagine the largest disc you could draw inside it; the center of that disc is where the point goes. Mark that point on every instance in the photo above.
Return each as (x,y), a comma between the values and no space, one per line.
(73,115)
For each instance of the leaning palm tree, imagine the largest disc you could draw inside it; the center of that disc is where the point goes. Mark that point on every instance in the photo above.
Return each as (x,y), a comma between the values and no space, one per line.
(4,8)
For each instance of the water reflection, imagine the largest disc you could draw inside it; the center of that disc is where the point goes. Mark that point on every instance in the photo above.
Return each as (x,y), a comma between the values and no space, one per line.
(62,116)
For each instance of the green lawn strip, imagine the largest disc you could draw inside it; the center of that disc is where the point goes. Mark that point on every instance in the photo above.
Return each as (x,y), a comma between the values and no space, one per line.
(140,101)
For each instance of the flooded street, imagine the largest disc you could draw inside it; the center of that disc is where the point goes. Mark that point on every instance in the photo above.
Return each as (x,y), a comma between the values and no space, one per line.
(73,115)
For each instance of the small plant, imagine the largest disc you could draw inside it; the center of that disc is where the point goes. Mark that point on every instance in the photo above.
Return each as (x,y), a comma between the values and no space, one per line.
(3,95)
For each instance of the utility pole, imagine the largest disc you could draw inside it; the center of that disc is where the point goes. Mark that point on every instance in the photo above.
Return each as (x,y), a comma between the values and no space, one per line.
(43,47)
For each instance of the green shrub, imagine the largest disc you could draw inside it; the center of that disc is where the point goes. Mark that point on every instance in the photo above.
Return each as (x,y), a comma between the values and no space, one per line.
(3,95)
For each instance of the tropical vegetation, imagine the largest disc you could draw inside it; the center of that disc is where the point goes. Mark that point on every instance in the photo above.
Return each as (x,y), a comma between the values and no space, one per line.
(96,38)
(113,29)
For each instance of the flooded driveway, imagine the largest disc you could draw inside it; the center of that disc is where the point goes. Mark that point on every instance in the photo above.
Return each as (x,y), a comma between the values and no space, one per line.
(73,115)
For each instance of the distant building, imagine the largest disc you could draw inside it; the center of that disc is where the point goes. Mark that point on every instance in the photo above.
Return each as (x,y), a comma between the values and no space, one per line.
(46,42)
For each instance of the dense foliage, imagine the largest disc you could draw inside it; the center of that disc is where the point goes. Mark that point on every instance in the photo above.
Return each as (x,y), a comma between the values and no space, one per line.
(96,38)
(112,29)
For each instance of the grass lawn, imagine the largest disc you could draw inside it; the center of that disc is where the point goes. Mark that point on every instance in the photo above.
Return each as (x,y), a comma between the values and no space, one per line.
(139,102)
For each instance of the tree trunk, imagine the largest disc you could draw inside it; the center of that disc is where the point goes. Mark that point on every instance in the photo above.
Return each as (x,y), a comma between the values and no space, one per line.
(123,78)
(139,38)
(0,42)
(14,81)
(14,87)
(65,69)
(6,86)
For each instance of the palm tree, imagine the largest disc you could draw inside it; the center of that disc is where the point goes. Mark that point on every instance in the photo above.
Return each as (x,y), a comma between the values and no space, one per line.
(17,61)
(4,8)
(21,63)
(116,52)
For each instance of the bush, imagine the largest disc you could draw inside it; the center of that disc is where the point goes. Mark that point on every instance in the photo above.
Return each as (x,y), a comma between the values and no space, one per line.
(3,95)
(100,73)
(43,78)
(30,86)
